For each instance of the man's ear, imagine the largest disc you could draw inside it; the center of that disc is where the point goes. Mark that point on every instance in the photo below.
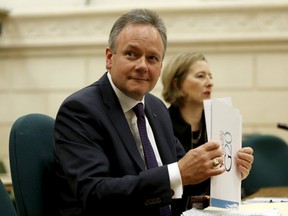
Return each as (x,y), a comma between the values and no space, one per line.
(109,56)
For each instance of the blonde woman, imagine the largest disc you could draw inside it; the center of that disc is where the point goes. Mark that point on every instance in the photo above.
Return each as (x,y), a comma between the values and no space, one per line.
(187,81)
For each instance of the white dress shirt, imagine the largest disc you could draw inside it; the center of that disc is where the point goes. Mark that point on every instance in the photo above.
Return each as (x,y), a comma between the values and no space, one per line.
(127,104)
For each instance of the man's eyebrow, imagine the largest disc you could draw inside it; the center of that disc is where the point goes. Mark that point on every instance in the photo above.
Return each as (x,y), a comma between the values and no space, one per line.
(135,47)
(131,46)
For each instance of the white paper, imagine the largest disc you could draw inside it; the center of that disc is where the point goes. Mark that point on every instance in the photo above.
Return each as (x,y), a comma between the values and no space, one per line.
(197,212)
(226,128)
(266,200)
(207,111)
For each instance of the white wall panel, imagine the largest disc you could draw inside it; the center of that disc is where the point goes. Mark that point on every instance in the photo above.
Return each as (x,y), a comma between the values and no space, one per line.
(49,49)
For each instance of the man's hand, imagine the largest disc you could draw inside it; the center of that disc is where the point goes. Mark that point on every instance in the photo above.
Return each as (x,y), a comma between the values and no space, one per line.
(201,163)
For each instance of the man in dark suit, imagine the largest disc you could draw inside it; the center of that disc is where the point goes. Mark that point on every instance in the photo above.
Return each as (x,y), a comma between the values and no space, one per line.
(99,157)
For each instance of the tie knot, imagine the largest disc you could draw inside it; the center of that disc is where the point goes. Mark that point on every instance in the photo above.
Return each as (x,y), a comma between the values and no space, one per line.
(139,110)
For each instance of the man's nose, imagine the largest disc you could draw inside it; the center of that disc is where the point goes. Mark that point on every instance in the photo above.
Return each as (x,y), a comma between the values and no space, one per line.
(142,64)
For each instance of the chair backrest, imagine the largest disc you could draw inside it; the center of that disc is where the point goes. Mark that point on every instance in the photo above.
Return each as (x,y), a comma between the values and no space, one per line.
(6,205)
(270,164)
(31,164)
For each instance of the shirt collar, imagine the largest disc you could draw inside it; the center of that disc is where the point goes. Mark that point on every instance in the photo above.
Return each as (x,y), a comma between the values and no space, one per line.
(127,103)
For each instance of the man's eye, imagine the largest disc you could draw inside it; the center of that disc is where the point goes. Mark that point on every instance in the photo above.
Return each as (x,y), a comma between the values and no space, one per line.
(130,54)
(153,58)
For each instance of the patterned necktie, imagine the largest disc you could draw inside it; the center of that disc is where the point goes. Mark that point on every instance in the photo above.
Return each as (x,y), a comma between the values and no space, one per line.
(149,155)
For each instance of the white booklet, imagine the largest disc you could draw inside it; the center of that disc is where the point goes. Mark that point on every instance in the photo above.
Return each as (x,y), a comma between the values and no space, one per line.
(208,112)
(224,124)
(197,212)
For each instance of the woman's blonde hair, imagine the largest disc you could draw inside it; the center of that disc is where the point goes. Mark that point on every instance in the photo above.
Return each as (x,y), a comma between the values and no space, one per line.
(174,73)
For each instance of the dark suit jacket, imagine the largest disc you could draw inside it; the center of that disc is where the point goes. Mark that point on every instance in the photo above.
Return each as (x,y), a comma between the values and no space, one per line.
(99,168)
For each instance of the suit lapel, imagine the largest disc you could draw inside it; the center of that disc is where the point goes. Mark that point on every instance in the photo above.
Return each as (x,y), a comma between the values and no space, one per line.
(119,121)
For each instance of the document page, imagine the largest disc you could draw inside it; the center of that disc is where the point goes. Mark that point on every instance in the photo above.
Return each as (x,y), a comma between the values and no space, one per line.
(197,212)
(208,112)
(226,128)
